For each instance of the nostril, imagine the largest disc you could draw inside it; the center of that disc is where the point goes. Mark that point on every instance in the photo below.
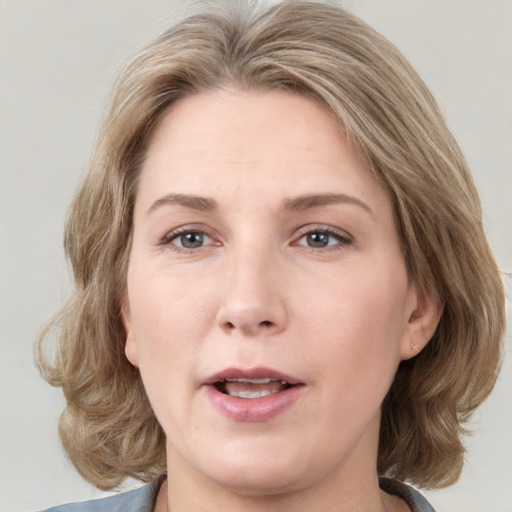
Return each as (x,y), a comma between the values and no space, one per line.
(266,323)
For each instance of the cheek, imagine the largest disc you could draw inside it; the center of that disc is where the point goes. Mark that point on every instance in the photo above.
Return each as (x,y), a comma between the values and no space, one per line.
(164,339)
(169,318)
(356,325)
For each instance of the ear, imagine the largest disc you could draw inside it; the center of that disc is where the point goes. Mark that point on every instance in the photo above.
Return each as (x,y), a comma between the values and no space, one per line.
(130,347)
(423,313)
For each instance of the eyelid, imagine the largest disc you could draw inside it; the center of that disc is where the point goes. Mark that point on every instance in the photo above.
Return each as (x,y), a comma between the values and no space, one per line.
(324,228)
(343,236)
(171,235)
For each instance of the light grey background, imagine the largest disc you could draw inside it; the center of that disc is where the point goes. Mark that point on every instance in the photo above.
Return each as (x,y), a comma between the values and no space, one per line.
(57,61)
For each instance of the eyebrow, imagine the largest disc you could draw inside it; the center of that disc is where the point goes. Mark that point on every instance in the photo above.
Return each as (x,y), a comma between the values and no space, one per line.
(189,201)
(313,201)
(299,203)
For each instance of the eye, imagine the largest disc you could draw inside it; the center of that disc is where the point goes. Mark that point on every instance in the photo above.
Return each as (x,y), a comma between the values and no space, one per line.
(190,240)
(322,238)
(187,239)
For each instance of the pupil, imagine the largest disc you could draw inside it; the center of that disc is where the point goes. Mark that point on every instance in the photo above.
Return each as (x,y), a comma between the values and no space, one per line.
(318,240)
(191,240)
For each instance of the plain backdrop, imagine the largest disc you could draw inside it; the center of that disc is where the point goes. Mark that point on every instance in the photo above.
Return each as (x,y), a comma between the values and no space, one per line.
(57,62)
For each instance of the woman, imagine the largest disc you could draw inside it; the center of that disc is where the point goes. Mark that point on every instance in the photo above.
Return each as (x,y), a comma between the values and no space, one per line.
(283,288)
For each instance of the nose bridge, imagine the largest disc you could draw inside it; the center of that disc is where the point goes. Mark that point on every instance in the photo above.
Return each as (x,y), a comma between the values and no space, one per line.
(253,302)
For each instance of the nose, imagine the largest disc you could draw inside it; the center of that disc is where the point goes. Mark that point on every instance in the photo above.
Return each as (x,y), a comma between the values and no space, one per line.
(253,299)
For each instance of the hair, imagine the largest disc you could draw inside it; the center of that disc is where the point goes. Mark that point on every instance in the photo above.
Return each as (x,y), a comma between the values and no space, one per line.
(321,51)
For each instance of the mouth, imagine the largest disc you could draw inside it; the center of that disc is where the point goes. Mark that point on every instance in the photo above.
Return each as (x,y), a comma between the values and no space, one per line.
(254,395)
(251,388)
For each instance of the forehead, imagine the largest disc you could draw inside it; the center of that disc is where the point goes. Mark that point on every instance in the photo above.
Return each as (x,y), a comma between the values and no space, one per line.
(207,121)
(270,143)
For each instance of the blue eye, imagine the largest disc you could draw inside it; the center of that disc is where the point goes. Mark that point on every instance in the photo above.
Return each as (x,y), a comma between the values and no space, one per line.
(189,239)
(319,240)
(322,238)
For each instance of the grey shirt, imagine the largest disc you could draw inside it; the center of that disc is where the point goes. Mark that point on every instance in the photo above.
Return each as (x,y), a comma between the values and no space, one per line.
(143,499)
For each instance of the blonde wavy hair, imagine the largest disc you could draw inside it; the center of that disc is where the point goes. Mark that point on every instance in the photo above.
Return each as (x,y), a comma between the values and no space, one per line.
(319,50)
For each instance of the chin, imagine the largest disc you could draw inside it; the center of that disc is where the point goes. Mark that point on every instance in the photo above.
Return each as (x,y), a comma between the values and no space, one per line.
(259,481)
(261,471)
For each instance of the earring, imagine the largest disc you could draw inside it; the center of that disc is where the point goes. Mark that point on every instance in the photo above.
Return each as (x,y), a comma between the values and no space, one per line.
(413,346)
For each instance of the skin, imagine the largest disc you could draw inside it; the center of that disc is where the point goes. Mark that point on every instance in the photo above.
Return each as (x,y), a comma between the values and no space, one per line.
(257,290)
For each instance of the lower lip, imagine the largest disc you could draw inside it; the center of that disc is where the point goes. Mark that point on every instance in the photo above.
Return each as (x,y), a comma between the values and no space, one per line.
(254,410)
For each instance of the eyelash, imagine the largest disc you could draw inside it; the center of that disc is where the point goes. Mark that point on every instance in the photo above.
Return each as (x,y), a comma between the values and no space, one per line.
(169,238)
(342,238)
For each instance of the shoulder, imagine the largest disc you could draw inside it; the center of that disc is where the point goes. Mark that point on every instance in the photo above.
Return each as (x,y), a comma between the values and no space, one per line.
(416,501)
(139,500)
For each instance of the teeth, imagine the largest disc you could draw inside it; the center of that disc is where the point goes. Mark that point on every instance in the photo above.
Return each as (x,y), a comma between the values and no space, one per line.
(251,388)
(251,394)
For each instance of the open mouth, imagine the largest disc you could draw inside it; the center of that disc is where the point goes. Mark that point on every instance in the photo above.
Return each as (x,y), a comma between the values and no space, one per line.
(253,394)
(251,388)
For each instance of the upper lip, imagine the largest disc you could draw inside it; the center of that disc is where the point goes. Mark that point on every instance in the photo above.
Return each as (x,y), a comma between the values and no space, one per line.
(251,374)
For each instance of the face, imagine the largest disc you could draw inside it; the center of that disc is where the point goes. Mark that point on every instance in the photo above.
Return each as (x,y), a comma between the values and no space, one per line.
(268,304)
